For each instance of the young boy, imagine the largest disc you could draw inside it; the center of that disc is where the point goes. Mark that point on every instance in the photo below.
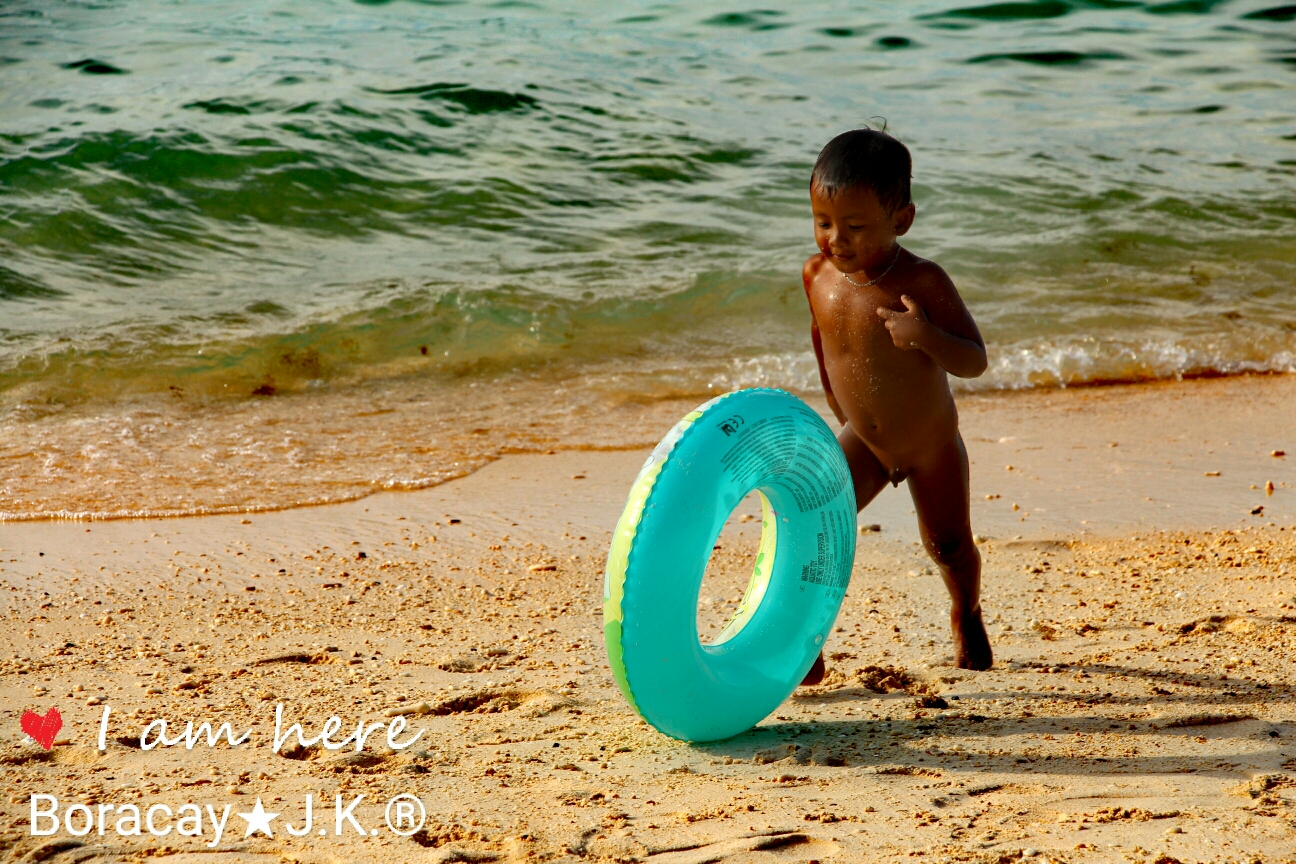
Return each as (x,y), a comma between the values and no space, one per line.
(887,326)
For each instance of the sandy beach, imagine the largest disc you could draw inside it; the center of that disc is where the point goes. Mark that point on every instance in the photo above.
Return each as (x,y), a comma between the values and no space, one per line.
(1139,545)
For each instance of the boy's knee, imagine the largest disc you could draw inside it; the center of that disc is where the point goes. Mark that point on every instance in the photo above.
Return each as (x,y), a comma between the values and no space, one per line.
(951,551)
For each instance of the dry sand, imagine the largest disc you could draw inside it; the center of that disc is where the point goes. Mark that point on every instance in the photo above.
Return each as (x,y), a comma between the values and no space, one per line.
(1139,708)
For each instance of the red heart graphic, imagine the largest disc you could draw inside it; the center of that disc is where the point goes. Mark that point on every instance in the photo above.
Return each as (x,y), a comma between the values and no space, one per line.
(43,729)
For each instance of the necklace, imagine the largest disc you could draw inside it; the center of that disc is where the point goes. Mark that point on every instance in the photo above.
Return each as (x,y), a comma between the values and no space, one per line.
(894,259)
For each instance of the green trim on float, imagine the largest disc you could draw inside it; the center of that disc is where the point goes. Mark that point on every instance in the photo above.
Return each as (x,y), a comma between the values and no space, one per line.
(619,554)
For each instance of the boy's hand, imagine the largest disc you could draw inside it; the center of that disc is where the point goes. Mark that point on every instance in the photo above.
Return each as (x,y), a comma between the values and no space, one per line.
(906,328)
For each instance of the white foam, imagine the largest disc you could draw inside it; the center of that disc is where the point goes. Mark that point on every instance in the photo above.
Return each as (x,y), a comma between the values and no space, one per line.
(1069,362)
(1086,361)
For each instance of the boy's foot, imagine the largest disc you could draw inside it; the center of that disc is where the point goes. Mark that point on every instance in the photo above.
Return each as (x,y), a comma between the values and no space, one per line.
(971,643)
(816,673)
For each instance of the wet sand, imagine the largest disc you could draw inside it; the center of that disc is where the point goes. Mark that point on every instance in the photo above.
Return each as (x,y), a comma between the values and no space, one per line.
(1139,708)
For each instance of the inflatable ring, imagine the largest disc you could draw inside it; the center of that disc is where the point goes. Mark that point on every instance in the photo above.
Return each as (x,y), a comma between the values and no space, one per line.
(760,439)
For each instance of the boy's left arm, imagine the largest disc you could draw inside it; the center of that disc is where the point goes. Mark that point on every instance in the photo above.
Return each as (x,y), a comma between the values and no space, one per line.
(940,326)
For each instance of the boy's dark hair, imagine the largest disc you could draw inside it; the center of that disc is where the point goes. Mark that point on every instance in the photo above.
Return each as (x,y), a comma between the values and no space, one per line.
(865,157)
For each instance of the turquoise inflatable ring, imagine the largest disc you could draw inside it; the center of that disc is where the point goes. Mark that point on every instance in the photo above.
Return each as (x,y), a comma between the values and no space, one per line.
(760,439)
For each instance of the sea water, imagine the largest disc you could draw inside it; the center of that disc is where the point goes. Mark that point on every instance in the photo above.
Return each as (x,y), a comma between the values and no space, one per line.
(262,254)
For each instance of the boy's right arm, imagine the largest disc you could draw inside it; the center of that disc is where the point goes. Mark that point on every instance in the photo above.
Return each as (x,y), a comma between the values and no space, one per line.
(808,273)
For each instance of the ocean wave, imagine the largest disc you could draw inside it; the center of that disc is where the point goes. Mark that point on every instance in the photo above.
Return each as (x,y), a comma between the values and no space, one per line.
(1093,361)
(1079,362)
(797,372)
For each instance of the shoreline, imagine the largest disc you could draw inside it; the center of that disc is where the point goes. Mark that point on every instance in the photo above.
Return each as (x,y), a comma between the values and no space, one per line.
(656,416)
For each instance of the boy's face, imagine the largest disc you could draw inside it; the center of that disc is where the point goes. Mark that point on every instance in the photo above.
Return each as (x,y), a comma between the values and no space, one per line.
(853,230)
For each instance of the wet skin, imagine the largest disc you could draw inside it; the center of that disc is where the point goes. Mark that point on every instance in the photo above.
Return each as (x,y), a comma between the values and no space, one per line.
(883,352)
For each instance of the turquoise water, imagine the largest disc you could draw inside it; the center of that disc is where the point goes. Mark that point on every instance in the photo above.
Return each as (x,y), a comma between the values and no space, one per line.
(208,209)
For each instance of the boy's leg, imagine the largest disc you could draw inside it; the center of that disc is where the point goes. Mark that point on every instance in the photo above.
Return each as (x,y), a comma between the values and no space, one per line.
(940,494)
(869,477)
(867,473)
